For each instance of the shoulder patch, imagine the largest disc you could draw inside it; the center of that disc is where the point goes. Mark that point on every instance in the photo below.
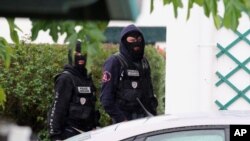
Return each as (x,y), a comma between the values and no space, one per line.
(106,76)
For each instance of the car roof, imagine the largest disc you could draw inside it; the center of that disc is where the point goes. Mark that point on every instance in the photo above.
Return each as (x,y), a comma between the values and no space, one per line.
(149,124)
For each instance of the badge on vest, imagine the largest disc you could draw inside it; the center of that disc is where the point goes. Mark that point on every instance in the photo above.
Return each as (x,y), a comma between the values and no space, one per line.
(133,73)
(82,100)
(84,89)
(134,84)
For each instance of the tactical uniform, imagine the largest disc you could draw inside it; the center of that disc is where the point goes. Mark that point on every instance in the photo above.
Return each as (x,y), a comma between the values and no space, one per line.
(126,82)
(73,109)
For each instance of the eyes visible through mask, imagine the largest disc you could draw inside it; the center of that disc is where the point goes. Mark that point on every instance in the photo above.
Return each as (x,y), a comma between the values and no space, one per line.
(80,59)
(131,39)
(134,43)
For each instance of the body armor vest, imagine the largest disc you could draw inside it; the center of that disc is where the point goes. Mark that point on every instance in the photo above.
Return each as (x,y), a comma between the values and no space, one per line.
(134,84)
(82,106)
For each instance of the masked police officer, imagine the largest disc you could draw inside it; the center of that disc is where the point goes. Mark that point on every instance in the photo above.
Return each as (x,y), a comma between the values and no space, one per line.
(127,91)
(73,109)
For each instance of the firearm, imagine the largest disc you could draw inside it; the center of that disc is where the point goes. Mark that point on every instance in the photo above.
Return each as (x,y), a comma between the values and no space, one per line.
(77,49)
(78,46)
(143,107)
(70,56)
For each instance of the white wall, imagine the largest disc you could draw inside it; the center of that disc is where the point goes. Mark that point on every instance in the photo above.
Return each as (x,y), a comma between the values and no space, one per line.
(191,63)
(182,69)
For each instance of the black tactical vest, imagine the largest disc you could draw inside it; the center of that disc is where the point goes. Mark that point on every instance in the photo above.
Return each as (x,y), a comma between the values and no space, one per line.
(82,106)
(134,83)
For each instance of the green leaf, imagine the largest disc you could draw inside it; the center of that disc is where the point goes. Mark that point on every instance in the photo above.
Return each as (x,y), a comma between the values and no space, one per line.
(36,27)
(190,5)
(206,8)
(199,2)
(217,21)
(209,6)
(14,36)
(247,4)
(231,15)
(177,4)
(54,32)
(2,97)
(8,56)
(5,52)
(13,33)
(226,2)
(151,6)
(11,23)
(70,28)
(3,41)
(102,25)
(2,50)
(242,6)
(166,2)
(213,6)
(62,26)
(235,20)
(95,35)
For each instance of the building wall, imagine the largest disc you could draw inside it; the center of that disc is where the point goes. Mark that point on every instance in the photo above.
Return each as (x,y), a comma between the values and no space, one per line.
(192,63)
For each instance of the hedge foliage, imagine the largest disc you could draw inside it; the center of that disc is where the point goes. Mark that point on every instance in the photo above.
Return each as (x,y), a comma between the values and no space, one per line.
(28,82)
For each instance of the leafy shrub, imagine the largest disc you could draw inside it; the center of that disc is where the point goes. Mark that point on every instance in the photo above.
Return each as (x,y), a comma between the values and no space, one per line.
(157,64)
(29,81)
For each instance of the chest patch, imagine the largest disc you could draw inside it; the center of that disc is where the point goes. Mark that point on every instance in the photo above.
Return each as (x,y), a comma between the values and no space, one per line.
(133,73)
(82,100)
(134,84)
(84,89)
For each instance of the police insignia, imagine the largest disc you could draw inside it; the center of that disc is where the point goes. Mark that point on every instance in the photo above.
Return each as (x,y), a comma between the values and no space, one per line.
(134,84)
(84,90)
(106,76)
(82,100)
(133,73)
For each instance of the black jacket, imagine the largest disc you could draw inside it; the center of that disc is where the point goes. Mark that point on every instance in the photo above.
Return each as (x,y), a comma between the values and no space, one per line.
(111,80)
(70,107)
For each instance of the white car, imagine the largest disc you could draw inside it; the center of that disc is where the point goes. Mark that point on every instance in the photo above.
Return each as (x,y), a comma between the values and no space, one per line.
(218,126)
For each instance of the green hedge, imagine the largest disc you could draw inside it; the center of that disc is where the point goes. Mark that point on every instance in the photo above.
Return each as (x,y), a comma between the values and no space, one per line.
(28,83)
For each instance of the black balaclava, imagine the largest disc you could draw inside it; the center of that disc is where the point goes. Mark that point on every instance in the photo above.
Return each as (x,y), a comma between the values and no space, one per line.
(127,48)
(79,57)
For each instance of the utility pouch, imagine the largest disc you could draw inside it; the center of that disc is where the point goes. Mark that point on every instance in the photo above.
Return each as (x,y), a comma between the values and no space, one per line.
(79,112)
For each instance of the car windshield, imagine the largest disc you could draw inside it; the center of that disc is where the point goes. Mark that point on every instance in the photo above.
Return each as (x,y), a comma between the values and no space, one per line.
(195,135)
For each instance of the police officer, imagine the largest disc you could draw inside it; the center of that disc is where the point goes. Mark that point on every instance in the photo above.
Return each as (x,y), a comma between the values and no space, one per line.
(73,109)
(127,91)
